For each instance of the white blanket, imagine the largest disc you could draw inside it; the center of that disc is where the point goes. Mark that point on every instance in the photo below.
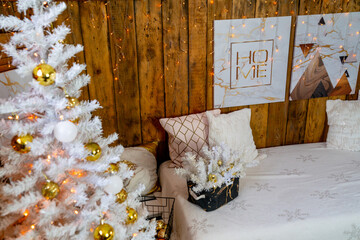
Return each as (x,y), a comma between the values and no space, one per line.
(299,192)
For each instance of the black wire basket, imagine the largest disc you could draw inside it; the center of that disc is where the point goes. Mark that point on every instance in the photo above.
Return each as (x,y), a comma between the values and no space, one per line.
(160,208)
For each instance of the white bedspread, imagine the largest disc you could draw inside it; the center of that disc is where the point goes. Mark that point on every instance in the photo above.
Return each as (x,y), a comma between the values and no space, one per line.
(299,192)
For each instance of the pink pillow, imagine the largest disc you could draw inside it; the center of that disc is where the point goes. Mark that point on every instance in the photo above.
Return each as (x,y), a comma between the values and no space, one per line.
(186,134)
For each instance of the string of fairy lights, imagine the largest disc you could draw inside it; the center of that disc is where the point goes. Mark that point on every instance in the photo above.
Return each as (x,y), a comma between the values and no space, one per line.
(118,41)
(9,10)
(128,16)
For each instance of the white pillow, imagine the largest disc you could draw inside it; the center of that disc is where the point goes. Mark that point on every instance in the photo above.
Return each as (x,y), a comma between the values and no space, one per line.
(145,172)
(344,124)
(233,129)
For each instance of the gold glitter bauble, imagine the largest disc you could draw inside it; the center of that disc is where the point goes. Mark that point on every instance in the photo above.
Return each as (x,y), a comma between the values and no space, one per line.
(222,173)
(220,162)
(212,178)
(231,166)
(44,74)
(121,196)
(95,151)
(50,190)
(131,166)
(20,143)
(131,215)
(72,102)
(160,224)
(75,121)
(161,233)
(113,168)
(104,231)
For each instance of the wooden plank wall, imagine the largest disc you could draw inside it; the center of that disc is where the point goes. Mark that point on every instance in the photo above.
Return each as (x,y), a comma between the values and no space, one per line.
(150,59)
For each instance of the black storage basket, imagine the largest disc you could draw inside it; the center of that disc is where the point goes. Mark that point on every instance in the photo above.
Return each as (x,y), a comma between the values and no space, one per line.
(160,208)
(215,198)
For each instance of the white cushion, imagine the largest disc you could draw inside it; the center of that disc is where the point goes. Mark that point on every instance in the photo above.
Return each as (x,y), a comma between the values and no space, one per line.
(233,129)
(344,124)
(145,172)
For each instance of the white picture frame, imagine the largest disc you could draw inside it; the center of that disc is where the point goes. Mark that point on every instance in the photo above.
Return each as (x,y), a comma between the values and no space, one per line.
(250,60)
(326,52)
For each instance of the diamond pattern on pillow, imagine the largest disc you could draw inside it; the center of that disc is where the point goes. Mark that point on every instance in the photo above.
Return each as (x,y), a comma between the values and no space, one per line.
(186,134)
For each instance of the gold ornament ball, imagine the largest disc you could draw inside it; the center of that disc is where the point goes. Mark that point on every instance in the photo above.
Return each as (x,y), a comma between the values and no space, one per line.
(72,102)
(220,162)
(121,196)
(160,224)
(161,233)
(104,231)
(130,165)
(50,190)
(75,121)
(113,168)
(231,166)
(44,74)
(20,143)
(222,173)
(212,178)
(95,151)
(132,215)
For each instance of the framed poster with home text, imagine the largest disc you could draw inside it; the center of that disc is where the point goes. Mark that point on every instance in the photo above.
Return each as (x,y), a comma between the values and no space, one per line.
(250,60)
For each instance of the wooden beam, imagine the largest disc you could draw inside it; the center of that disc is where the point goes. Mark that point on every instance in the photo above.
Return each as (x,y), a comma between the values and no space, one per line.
(222,10)
(65,1)
(150,66)
(124,65)
(175,42)
(97,55)
(278,112)
(259,113)
(297,111)
(210,55)
(71,18)
(197,55)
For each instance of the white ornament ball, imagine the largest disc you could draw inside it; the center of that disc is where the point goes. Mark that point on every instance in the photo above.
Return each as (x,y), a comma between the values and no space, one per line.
(115,185)
(65,131)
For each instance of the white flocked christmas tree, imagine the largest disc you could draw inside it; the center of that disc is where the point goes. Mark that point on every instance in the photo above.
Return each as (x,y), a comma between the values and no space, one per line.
(60,178)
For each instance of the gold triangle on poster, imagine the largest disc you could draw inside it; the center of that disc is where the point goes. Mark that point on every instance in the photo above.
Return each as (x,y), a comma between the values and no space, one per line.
(342,87)
(305,48)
